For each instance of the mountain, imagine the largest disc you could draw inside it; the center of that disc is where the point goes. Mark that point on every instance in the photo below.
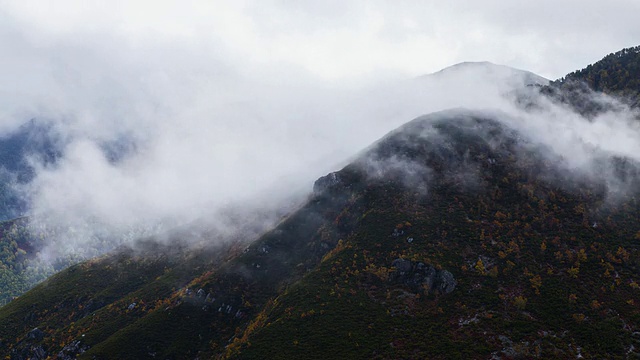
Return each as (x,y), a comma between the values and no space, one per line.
(37,142)
(616,74)
(454,236)
(457,235)
(18,271)
(41,142)
(492,72)
(36,139)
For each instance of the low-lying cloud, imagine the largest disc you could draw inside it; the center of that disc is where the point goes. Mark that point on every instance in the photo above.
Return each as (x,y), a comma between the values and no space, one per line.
(202,134)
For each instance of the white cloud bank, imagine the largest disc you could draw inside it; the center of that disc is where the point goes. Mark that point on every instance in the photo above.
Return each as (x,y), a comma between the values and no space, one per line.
(232,101)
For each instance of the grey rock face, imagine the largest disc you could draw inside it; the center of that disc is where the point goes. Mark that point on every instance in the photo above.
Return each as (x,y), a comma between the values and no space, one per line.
(72,350)
(327,182)
(35,334)
(402,266)
(446,282)
(419,276)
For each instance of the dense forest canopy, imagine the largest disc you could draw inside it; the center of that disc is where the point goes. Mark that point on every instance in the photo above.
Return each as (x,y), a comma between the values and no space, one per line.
(616,74)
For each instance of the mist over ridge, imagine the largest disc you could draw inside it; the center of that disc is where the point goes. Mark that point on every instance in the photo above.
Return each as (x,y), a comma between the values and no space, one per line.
(261,141)
(162,133)
(224,146)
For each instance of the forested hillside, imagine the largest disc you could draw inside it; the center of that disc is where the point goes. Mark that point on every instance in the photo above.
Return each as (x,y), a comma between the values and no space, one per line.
(617,74)
(16,250)
(503,253)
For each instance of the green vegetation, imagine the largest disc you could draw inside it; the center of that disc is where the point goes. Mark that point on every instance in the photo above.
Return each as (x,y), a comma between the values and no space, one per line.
(523,298)
(617,74)
(18,270)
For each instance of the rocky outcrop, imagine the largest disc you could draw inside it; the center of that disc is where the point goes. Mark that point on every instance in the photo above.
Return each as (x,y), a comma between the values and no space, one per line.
(419,276)
(35,335)
(445,282)
(327,182)
(29,352)
(72,350)
(29,347)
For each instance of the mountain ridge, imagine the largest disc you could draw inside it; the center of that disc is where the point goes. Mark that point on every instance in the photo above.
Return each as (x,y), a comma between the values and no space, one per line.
(355,233)
(455,235)
(496,70)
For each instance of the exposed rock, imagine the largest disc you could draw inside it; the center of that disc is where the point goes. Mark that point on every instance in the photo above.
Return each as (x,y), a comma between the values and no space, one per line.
(35,334)
(445,281)
(486,261)
(471,320)
(402,266)
(72,350)
(424,275)
(28,349)
(34,352)
(397,232)
(38,353)
(327,182)
(419,276)
(225,309)
(521,350)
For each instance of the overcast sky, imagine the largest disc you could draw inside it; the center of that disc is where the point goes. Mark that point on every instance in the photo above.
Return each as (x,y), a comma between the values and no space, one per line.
(338,40)
(234,101)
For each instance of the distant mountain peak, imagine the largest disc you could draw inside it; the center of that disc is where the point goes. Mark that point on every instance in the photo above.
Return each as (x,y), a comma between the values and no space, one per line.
(471,64)
(491,71)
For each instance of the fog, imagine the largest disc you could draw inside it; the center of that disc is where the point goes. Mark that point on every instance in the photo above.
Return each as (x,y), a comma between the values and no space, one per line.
(203,131)
(200,136)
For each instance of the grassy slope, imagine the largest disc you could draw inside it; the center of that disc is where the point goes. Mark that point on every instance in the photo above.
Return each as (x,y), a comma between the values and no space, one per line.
(91,300)
(189,325)
(351,305)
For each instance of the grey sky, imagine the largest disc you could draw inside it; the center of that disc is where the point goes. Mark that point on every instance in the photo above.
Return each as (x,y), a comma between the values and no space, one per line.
(348,39)
(240,100)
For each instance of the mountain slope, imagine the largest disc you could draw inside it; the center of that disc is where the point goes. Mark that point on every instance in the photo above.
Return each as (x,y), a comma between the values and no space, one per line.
(452,237)
(616,75)
(523,249)
(18,273)
(34,138)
